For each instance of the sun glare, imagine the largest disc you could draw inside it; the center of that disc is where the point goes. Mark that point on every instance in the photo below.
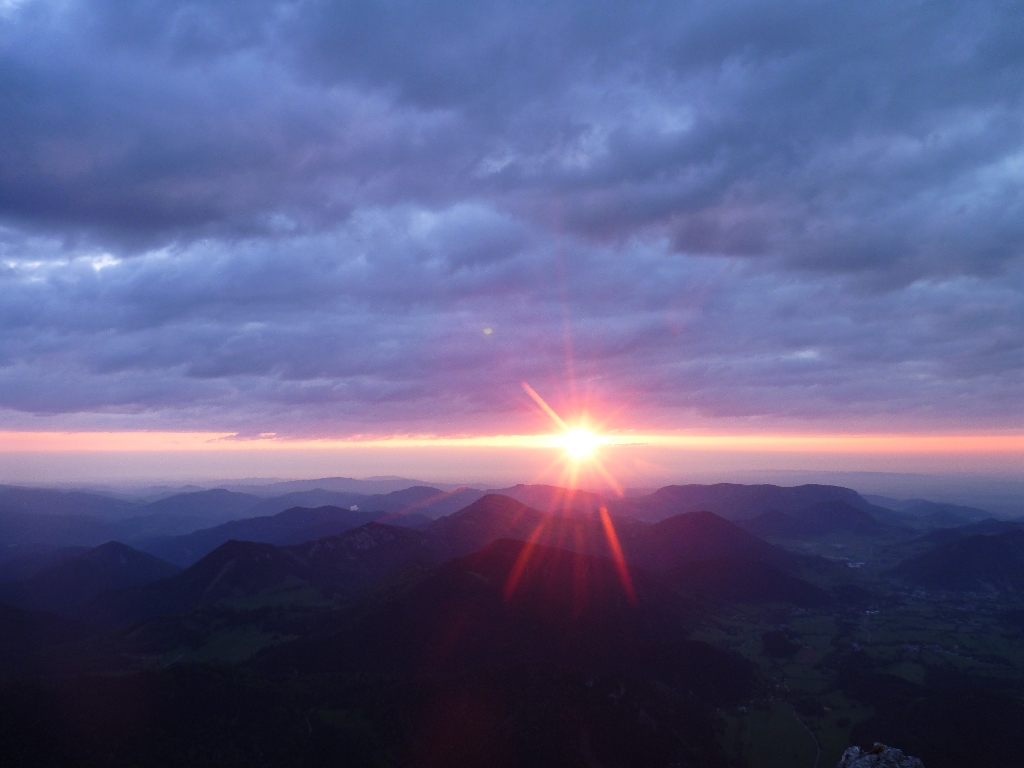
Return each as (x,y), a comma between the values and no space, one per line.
(579,443)
(579,458)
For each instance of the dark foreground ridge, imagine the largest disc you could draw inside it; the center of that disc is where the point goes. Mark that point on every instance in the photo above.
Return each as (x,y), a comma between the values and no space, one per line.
(505,635)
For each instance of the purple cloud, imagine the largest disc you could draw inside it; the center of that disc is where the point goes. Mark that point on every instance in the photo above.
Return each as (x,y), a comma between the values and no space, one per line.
(301,217)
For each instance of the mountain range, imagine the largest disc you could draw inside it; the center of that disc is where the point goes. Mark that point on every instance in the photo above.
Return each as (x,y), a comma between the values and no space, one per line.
(61,580)
(825,518)
(931,512)
(979,563)
(31,517)
(67,585)
(51,519)
(497,634)
(515,654)
(344,564)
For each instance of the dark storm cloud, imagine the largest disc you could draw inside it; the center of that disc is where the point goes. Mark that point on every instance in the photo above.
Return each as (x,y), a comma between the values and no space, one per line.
(300,217)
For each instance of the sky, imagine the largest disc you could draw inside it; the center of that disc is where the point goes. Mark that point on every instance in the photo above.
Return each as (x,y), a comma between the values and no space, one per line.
(305,221)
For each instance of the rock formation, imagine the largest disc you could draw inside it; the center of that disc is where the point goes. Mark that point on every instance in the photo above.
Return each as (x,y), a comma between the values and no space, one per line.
(879,756)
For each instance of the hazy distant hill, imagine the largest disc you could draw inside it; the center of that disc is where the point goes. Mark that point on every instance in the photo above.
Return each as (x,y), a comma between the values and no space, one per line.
(50,519)
(318,497)
(151,493)
(821,519)
(187,513)
(64,587)
(292,526)
(62,518)
(47,501)
(926,515)
(947,535)
(18,529)
(184,513)
(370,486)
(972,564)
(428,501)
(935,509)
(216,505)
(424,500)
(937,514)
(731,501)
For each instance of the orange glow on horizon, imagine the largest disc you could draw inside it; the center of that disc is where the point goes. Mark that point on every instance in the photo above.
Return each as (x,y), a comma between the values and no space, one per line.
(49,441)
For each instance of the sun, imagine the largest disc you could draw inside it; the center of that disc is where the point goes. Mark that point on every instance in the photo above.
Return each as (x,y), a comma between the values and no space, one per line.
(579,443)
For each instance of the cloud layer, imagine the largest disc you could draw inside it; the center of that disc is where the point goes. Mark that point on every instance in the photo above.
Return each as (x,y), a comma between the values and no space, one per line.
(300,217)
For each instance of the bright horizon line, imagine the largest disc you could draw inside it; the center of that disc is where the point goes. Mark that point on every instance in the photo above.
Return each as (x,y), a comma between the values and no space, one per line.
(158,441)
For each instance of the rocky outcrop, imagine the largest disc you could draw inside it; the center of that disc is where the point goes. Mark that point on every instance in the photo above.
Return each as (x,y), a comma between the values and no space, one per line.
(879,756)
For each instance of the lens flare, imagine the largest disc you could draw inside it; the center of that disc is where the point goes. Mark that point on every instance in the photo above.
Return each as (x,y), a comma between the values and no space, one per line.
(580,445)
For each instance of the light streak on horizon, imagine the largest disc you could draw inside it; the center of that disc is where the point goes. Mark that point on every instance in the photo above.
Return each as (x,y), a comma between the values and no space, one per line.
(38,441)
